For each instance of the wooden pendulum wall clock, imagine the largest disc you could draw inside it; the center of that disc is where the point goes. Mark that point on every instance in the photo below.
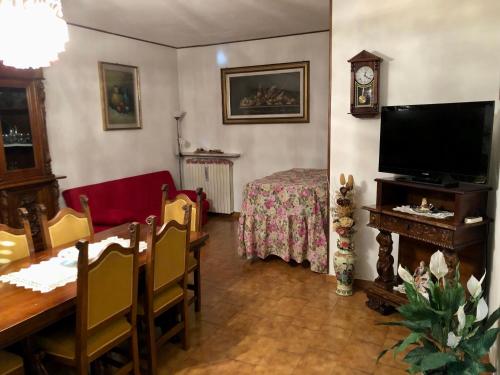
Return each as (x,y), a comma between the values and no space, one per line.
(365,72)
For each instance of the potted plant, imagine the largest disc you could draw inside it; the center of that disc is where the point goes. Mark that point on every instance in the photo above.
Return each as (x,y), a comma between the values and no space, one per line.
(450,330)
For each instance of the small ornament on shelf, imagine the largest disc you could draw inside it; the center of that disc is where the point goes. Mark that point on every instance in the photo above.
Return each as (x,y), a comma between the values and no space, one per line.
(343,224)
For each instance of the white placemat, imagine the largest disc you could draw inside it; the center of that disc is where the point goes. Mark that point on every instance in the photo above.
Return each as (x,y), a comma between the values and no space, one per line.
(60,270)
(435,215)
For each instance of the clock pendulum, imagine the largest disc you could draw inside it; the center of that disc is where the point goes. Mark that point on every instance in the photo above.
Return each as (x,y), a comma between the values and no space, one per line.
(362,97)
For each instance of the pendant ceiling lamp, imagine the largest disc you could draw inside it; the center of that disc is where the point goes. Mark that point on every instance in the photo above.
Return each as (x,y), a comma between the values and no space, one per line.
(32,32)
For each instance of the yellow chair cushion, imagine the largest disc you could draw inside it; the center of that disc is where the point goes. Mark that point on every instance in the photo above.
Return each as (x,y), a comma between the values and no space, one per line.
(13,247)
(192,262)
(174,211)
(110,287)
(69,230)
(59,340)
(9,362)
(162,299)
(170,257)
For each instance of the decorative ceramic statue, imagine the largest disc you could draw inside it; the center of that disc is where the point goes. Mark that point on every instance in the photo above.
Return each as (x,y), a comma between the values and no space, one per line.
(343,224)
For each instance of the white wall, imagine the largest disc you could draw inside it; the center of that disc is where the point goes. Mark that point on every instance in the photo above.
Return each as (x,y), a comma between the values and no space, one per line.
(266,148)
(79,146)
(442,51)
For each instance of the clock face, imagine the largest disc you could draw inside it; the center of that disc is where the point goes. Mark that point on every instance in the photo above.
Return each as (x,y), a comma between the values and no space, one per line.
(364,75)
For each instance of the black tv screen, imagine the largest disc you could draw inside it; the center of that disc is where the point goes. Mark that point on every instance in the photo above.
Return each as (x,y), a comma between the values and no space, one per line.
(437,140)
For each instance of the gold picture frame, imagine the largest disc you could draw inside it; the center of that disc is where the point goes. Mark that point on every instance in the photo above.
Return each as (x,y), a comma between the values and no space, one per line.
(266,94)
(120,96)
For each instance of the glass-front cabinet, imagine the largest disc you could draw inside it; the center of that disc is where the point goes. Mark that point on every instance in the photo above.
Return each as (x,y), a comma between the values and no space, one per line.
(26,177)
(19,125)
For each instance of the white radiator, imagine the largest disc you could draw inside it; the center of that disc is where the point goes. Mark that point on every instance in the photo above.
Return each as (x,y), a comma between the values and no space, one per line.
(215,176)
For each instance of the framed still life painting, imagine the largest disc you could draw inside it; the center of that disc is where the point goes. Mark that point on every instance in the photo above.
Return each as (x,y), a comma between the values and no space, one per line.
(120,96)
(263,94)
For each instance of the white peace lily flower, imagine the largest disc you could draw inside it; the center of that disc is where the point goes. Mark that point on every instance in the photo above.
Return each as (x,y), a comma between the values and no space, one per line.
(461,318)
(438,265)
(453,340)
(405,275)
(474,286)
(482,310)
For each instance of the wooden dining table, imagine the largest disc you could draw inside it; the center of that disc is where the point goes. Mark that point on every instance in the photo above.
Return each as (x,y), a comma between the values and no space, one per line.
(24,312)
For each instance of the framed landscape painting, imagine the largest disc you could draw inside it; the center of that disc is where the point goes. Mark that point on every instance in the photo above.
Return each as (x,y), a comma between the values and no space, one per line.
(263,94)
(120,96)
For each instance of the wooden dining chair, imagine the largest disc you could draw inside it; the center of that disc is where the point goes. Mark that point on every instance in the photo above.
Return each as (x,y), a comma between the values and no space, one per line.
(173,210)
(166,281)
(16,243)
(106,309)
(10,364)
(67,227)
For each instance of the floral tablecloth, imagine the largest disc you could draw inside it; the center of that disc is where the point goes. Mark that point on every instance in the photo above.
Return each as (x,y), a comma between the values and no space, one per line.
(285,214)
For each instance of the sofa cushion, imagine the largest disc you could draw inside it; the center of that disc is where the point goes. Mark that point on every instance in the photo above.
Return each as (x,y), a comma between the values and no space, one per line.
(128,199)
(112,216)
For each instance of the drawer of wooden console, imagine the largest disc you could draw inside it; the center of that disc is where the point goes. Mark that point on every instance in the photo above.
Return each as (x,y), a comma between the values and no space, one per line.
(374,219)
(428,233)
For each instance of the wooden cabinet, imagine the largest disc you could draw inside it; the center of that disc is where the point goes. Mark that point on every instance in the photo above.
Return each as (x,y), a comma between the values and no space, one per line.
(26,176)
(420,236)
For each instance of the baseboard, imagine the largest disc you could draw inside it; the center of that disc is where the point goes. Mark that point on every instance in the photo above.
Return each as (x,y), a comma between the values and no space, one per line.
(233,216)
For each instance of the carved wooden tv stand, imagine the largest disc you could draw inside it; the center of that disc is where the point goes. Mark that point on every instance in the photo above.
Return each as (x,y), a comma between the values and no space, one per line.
(420,236)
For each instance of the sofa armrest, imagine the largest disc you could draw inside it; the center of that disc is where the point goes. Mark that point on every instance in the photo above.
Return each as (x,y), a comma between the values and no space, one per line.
(192,194)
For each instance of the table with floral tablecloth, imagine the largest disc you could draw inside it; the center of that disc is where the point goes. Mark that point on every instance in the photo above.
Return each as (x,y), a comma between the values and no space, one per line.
(286,214)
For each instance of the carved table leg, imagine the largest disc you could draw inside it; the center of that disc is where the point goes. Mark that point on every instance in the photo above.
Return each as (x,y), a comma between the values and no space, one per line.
(385,270)
(385,260)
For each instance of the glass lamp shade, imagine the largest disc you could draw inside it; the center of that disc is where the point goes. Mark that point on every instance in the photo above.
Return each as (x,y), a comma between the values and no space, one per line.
(32,32)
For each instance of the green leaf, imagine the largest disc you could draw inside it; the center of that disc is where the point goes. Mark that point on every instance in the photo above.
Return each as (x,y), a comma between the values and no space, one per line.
(418,311)
(495,315)
(487,367)
(383,352)
(411,293)
(437,333)
(456,368)
(411,339)
(414,370)
(480,344)
(469,367)
(417,326)
(437,360)
(416,356)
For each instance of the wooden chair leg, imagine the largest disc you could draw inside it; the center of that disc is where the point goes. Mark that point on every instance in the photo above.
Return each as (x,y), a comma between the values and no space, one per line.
(151,343)
(197,282)
(134,352)
(37,367)
(185,314)
(82,366)
(97,367)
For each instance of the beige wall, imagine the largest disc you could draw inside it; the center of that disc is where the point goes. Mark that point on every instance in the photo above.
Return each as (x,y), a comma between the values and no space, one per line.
(265,148)
(434,51)
(79,147)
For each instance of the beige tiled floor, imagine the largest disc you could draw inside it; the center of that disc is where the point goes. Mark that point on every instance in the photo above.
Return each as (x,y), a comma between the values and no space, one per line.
(268,317)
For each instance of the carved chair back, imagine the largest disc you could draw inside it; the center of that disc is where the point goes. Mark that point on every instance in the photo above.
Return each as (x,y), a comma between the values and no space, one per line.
(173,209)
(106,292)
(167,255)
(67,227)
(16,243)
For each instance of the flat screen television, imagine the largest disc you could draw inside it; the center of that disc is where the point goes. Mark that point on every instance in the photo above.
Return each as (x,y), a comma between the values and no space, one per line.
(437,142)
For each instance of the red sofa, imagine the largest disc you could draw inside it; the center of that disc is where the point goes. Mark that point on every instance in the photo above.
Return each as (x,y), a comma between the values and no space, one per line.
(128,199)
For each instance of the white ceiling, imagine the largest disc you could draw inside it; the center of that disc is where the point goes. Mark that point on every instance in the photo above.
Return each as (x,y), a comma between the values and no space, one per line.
(181,23)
